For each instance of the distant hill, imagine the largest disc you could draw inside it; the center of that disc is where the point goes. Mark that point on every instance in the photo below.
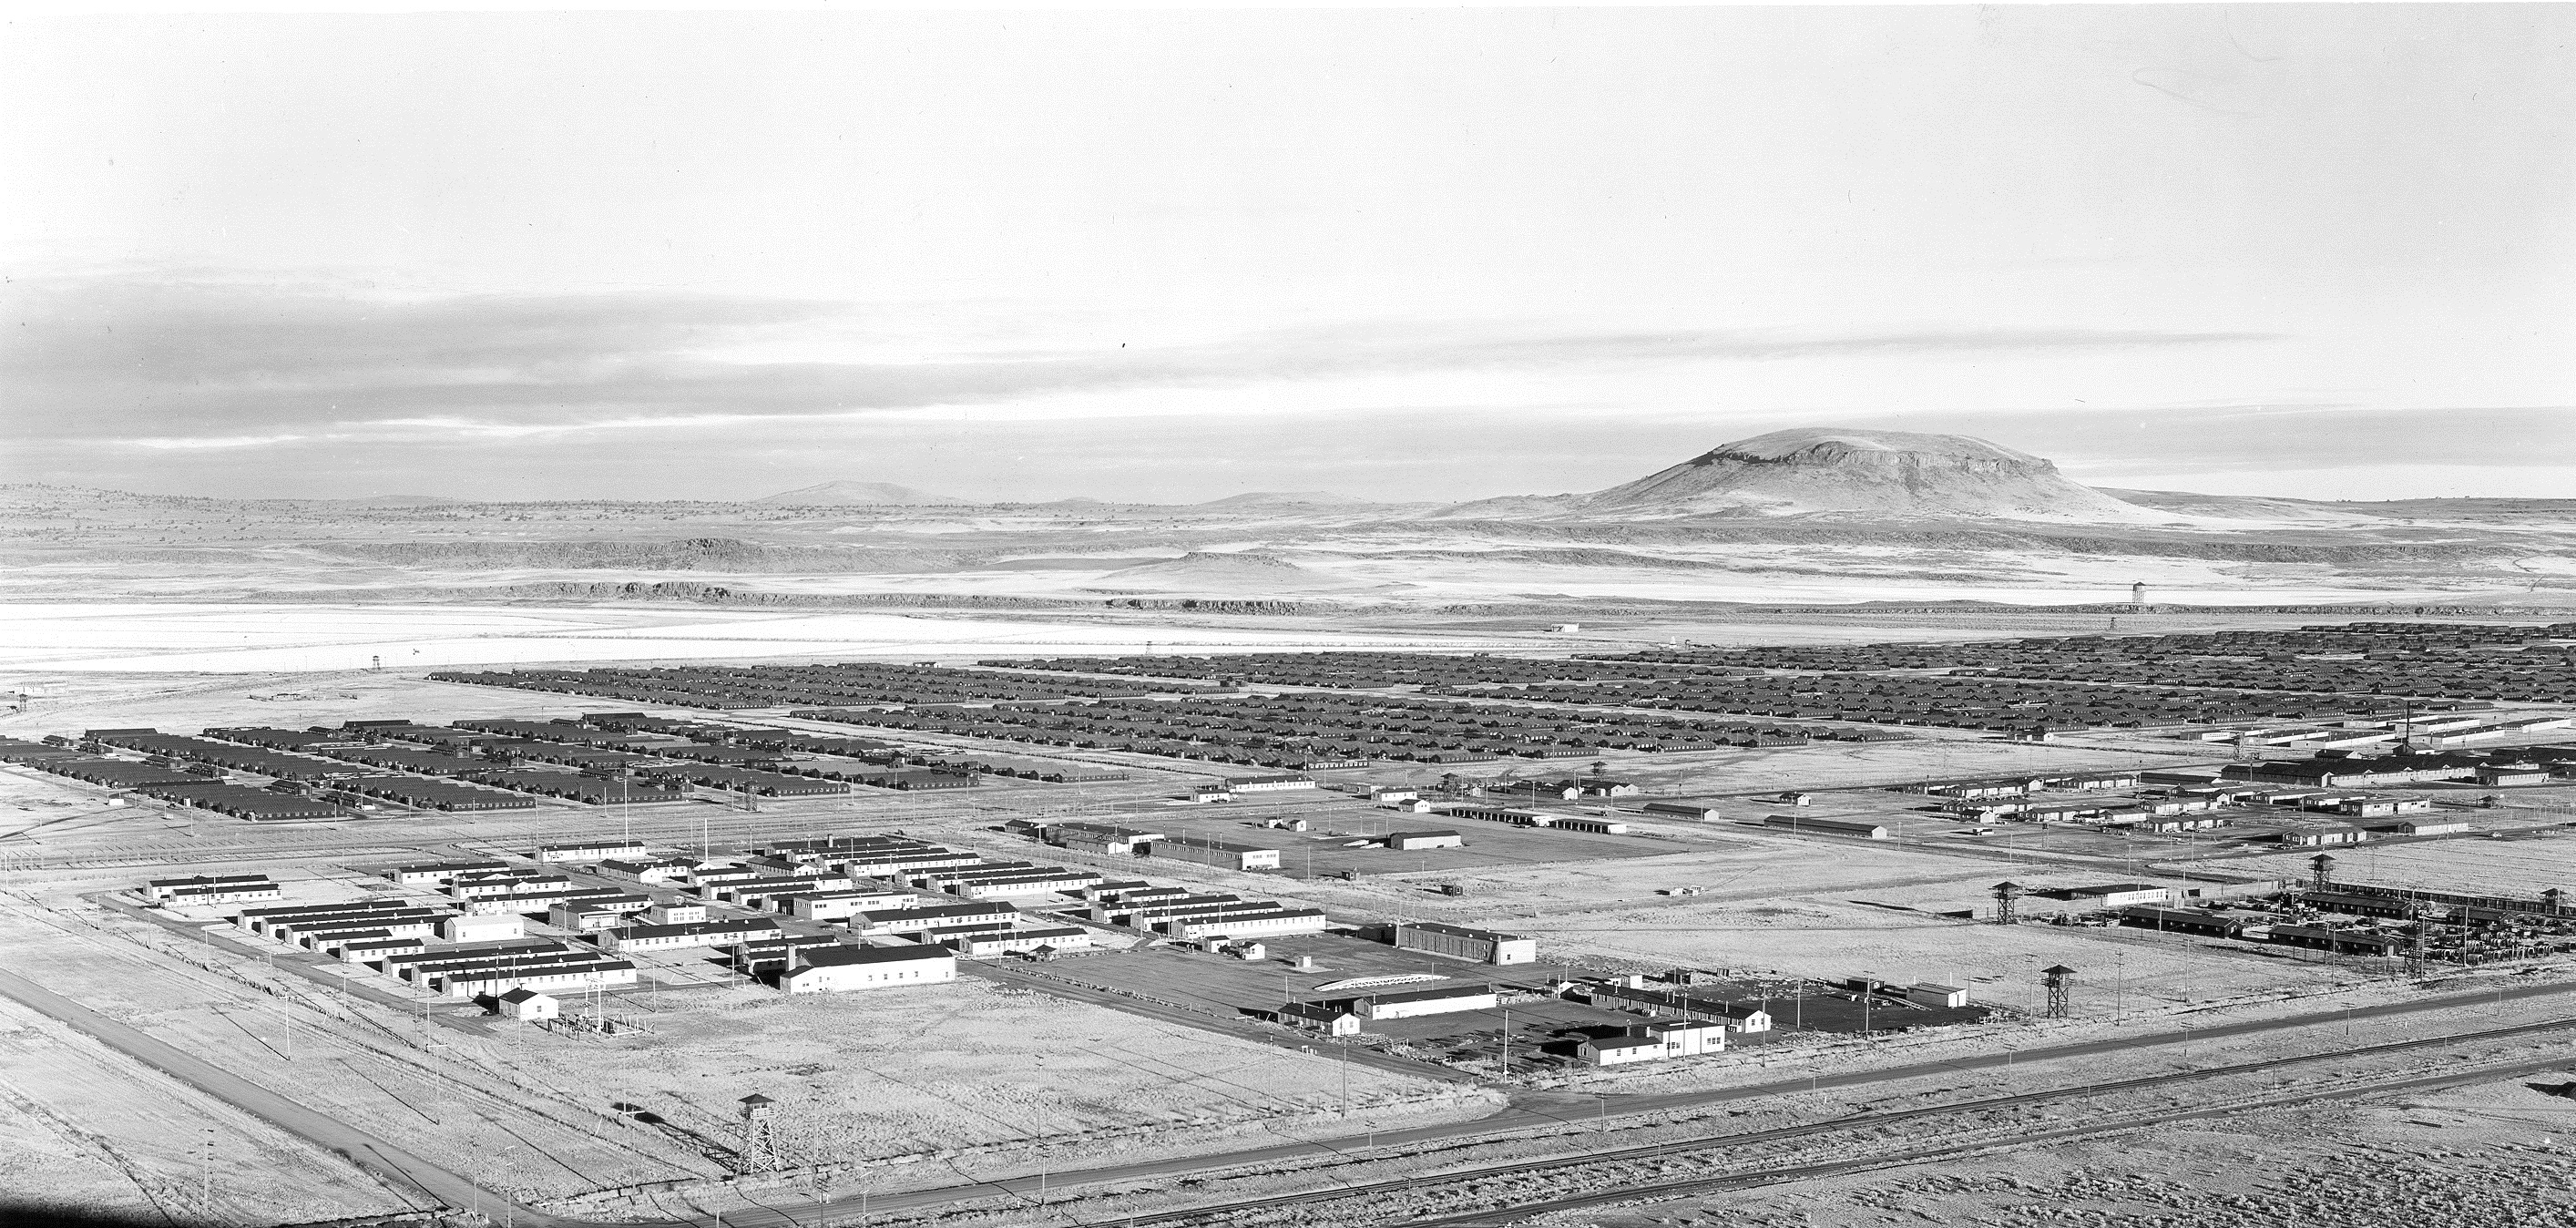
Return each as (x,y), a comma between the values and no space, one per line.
(858,494)
(1273,498)
(393,501)
(1896,472)
(1891,474)
(1222,573)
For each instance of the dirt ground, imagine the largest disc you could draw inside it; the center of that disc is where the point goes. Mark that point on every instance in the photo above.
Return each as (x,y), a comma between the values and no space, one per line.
(2490,1155)
(90,1131)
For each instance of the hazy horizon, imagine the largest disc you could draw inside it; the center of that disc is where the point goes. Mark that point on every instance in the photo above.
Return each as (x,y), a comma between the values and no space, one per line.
(2315,251)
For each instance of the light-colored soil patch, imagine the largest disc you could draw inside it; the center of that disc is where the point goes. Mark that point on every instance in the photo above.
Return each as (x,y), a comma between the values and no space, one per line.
(92,1131)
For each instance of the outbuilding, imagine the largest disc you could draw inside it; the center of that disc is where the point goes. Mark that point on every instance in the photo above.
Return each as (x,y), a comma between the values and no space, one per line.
(527,1004)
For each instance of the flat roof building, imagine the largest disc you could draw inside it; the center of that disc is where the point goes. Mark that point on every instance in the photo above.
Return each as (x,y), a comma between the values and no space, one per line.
(842,905)
(1410,841)
(1099,839)
(595,851)
(1217,853)
(221,893)
(1408,1004)
(441,872)
(838,968)
(480,927)
(932,916)
(1459,942)
(2112,895)
(1264,920)
(1653,1041)
(1318,1017)
(1826,827)
(1017,942)
(671,937)
(160,888)
(596,973)
(1683,810)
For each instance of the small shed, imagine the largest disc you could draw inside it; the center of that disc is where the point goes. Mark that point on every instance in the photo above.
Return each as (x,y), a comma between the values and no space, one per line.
(524,1003)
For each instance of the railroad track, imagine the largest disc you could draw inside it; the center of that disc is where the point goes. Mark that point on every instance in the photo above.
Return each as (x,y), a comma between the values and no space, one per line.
(1686,1150)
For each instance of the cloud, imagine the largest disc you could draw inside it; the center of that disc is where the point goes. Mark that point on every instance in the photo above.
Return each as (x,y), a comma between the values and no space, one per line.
(230,364)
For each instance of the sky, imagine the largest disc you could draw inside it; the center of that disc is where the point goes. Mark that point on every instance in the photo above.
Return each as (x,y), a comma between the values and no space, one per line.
(2324,251)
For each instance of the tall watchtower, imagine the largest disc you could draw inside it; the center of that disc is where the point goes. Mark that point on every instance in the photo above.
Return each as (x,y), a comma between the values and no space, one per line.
(759,1149)
(2060,981)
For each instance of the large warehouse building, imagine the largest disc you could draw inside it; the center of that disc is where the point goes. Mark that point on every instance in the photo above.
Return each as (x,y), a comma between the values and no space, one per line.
(836,968)
(1216,853)
(1827,827)
(1459,942)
